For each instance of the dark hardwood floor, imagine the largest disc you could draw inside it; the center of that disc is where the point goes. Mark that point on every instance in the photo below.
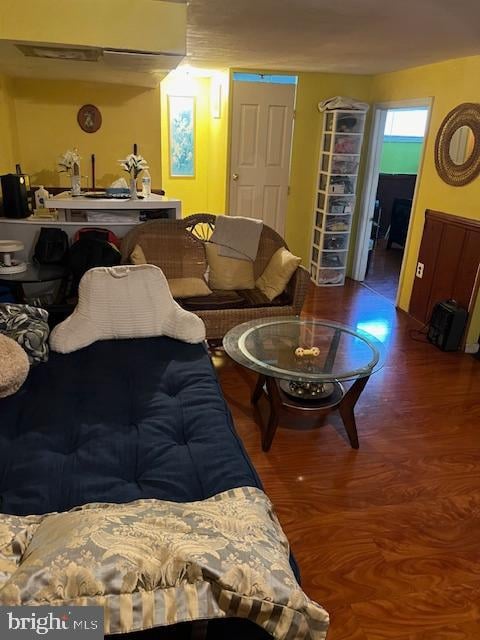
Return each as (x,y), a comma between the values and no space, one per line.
(384,270)
(387,537)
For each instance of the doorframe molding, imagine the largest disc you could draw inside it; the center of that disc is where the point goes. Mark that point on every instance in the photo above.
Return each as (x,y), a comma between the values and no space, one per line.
(370,183)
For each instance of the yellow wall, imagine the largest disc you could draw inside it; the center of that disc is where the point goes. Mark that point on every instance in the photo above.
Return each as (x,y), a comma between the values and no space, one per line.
(205,192)
(449,83)
(126,24)
(7,127)
(46,118)
(218,150)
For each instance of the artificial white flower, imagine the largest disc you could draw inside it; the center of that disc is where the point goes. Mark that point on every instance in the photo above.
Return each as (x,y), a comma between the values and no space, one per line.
(133,164)
(67,160)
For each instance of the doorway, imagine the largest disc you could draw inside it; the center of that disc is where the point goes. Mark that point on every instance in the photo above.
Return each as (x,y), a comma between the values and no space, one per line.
(261,135)
(395,160)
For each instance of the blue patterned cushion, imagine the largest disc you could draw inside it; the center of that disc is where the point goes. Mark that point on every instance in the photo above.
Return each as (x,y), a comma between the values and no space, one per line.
(29,327)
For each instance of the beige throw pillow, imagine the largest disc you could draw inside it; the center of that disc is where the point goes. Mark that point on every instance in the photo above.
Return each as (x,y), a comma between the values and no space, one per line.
(137,256)
(228,274)
(278,272)
(15,366)
(188,287)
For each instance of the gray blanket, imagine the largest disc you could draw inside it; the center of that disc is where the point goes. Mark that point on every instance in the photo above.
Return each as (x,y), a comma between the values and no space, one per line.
(237,237)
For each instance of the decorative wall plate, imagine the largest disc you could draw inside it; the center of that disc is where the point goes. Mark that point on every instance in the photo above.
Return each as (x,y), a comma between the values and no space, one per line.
(89,118)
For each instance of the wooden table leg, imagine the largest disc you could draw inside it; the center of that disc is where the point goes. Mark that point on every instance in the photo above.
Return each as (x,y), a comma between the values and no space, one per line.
(257,392)
(275,402)
(346,407)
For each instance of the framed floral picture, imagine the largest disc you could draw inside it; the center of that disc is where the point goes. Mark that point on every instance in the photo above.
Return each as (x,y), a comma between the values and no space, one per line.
(181,118)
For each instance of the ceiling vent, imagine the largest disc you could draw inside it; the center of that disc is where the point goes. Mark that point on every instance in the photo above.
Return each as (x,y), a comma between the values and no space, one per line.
(141,60)
(60,53)
(130,60)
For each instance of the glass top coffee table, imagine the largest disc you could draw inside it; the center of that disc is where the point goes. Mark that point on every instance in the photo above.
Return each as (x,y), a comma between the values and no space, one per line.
(302,365)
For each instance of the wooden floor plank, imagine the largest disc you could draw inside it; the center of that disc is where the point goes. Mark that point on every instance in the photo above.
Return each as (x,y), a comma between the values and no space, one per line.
(400,617)
(387,537)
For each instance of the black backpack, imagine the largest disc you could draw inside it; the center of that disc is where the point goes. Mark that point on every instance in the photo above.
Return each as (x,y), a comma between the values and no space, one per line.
(51,247)
(91,250)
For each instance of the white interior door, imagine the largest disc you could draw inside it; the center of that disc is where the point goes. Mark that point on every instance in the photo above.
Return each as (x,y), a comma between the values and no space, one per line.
(262,122)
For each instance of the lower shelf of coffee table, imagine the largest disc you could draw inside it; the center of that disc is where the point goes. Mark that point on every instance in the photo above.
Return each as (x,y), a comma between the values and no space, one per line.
(281,402)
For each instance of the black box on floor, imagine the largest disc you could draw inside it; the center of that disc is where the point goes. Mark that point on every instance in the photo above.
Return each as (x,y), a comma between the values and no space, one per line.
(447,325)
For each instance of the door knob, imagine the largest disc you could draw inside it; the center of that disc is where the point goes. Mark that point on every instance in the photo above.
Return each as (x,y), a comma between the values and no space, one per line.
(235,176)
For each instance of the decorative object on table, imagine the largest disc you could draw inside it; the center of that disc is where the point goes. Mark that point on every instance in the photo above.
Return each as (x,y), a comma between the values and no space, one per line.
(89,118)
(134,165)
(15,366)
(27,326)
(69,163)
(181,117)
(307,390)
(92,162)
(41,195)
(302,352)
(118,189)
(9,264)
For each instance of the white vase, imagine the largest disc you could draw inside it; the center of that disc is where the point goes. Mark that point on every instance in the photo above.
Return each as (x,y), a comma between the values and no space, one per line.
(133,189)
(76,186)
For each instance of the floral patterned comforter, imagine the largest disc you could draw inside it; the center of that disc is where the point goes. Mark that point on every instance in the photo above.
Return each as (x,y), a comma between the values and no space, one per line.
(154,563)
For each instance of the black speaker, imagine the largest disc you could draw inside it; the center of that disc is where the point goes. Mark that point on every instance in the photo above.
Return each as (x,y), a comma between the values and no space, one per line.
(15,189)
(447,325)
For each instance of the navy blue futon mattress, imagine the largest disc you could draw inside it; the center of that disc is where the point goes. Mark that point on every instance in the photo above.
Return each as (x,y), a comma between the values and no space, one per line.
(118,421)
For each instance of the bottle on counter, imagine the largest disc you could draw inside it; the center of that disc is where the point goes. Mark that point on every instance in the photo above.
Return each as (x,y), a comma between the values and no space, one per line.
(146,184)
(41,195)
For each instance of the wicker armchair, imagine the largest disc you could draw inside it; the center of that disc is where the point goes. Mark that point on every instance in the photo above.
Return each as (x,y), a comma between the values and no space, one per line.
(177,247)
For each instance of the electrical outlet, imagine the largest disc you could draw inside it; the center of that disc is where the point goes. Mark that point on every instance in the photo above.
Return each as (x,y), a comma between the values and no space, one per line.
(420,268)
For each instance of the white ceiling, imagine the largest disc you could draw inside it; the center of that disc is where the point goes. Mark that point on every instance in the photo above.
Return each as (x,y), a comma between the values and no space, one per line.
(347,36)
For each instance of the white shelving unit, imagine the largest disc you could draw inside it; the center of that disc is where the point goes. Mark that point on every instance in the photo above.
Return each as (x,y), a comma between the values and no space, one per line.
(335,197)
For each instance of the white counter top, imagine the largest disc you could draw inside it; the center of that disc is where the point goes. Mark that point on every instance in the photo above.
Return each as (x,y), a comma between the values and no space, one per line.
(65,201)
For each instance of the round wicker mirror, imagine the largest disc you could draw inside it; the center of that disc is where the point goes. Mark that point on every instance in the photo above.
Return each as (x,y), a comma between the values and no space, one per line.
(457,146)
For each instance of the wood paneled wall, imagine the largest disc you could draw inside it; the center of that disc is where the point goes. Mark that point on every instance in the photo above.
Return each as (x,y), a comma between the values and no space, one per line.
(450,251)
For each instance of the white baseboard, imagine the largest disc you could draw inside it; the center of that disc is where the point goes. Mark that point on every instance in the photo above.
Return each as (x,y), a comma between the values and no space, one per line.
(473,347)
